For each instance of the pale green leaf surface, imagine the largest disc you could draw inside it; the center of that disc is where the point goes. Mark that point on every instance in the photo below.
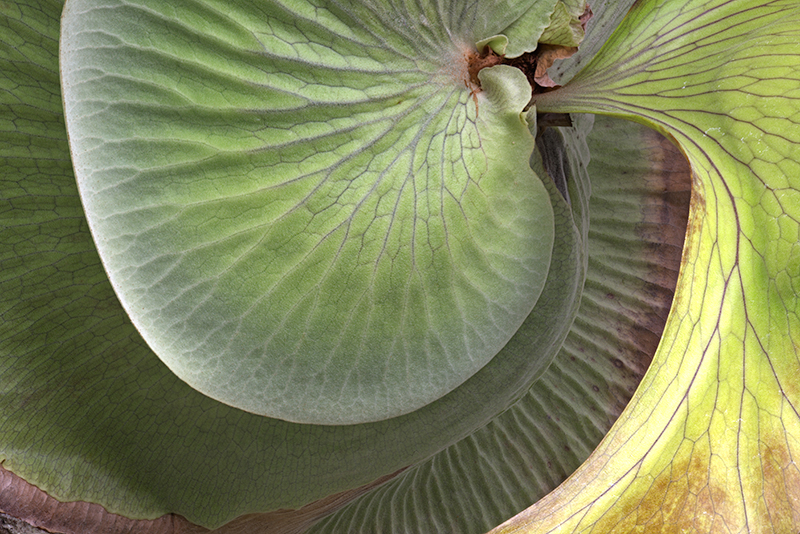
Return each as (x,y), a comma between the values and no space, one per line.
(87,412)
(709,443)
(523,34)
(637,189)
(565,28)
(306,213)
(633,264)
(421,499)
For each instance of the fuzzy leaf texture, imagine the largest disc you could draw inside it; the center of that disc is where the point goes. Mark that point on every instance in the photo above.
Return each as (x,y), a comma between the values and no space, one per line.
(90,414)
(303,209)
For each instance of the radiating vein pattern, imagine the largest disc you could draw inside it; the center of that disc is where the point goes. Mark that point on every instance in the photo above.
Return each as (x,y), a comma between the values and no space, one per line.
(709,443)
(88,413)
(640,183)
(306,209)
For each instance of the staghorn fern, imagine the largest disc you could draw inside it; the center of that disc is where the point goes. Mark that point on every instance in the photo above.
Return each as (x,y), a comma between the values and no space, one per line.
(322,214)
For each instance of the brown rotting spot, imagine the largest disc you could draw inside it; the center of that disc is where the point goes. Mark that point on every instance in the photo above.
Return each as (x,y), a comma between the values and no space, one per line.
(533,64)
(477,61)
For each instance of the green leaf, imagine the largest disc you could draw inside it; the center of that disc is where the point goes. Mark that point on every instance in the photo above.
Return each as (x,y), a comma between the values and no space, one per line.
(523,34)
(640,184)
(565,28)
(709,441)
(89,413)
(308,215)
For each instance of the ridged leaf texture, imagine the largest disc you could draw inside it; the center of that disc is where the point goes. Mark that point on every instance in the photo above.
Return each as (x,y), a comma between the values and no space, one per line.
(709,442)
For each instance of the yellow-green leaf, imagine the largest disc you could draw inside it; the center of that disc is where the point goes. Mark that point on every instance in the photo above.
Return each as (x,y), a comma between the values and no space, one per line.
(709,442)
